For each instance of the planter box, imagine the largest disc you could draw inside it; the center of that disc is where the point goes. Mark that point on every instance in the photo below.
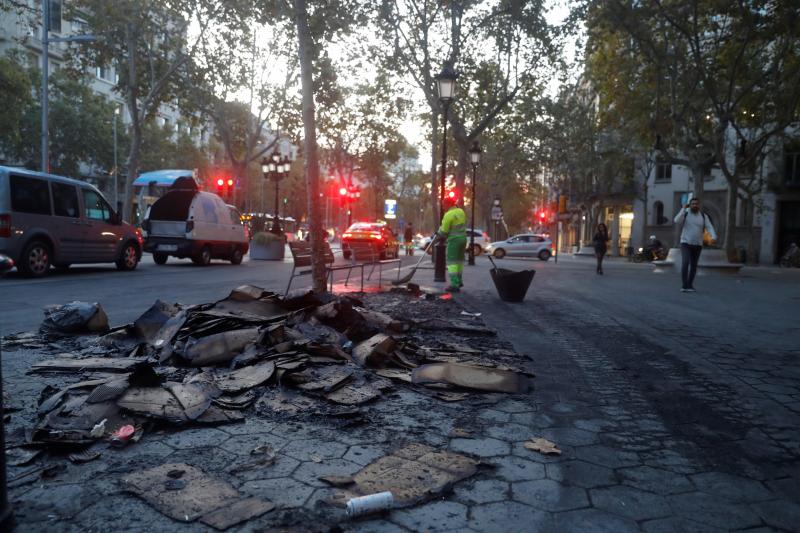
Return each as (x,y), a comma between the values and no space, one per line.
(271,251)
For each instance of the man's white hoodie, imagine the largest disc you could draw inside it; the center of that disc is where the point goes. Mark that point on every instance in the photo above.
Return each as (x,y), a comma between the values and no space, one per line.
(693,224)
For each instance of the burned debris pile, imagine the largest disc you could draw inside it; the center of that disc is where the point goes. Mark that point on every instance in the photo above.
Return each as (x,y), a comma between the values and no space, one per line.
(253,354)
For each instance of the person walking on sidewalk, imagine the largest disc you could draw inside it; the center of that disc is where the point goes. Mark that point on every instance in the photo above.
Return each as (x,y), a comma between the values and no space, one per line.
(408,238)
(600,241)
(454,229)
(695,224)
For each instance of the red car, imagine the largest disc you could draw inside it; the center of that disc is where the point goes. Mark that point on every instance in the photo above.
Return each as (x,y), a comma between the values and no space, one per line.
(370,234)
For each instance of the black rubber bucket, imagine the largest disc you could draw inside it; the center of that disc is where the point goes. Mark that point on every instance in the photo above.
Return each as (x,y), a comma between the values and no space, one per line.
(512,286)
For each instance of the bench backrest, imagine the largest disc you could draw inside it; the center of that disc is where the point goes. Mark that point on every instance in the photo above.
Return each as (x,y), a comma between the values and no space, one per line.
(301,253)
(364,252)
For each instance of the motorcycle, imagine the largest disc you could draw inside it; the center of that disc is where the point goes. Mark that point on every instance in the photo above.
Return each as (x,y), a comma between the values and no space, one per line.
(792,257)
(649,254)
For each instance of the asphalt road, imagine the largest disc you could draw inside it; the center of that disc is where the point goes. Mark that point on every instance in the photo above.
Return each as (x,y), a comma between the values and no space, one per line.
(126,295)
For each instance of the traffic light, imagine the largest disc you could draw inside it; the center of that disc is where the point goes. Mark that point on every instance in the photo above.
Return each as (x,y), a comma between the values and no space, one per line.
(542,216)
(285,200)
(343,191)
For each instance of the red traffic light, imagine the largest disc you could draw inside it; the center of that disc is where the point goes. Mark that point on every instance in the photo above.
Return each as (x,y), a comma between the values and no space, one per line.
(230,183)
(220,182)
(452,195)
(542,215)
(343,191)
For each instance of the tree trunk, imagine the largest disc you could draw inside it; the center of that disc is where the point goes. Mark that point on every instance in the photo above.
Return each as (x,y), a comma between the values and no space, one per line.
(752,255)
(729,242)
(310,144)
(644,212)
(136,127)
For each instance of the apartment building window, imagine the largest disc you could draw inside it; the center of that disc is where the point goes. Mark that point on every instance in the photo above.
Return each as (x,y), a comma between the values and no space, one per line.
(791,167)
(658,213)
(104,73)
(55,16)
(663,170)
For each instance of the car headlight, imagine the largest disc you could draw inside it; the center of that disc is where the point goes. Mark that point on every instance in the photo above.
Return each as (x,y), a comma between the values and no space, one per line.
(641,249)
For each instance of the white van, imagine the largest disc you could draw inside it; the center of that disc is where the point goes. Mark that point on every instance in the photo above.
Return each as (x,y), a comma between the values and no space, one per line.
(198,225)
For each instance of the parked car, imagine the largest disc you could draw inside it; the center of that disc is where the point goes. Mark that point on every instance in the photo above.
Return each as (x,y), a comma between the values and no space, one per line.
(524,245)
(481,241)
(194,224)
(376,234)
(6,264)
(48,220)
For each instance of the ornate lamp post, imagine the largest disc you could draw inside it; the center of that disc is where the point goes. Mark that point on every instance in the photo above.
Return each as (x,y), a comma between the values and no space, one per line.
(475,159)
(275,168)
(446,81)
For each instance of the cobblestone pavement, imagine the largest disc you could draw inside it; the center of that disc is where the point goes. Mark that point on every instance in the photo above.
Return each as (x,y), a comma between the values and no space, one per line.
(675,412)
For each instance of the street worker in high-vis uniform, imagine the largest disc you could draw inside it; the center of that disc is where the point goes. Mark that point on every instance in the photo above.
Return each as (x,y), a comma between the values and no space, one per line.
(454,229)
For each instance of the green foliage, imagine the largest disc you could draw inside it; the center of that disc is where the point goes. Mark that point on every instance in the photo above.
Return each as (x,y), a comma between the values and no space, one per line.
(15,93)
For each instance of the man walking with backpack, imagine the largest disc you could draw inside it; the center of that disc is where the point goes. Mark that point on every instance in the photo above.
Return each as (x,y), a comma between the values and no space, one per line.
(695,224)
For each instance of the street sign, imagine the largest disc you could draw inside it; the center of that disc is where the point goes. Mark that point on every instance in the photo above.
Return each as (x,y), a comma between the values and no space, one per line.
(390,209)
(497,213)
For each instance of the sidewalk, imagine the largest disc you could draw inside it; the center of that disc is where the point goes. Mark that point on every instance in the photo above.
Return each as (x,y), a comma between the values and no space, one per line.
(673,411)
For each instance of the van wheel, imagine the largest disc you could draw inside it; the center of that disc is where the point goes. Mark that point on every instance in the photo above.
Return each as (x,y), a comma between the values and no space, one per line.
(128,258)
(203,258)
(236,256)
(35,259)
(160,259)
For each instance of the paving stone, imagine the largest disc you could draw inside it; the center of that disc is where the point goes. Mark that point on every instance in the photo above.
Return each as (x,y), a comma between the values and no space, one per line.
(533,420)
(251,425)
(675,524)
(735,488)
(593,520)
(494,415)
(605,456)
(581,474)
(209,459)
(375,526)
(311,449)
(668,460)
(244,444)
(482,491)
(562,408)
(436,516)
(630,503)
(655,480)
(309,471)
(512,468)
(779,513)
(64,501)
(131,513)
(713,510)
(569,436)
(192,438)
(509,432)
(283,466)
(788,488)
(505,517)
(548,495)
(594,425)
(485,447)
(363,454)
(516,406)
(284,492)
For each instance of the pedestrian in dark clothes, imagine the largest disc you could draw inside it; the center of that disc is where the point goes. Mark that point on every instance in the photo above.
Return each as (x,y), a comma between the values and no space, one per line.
(600,241)
(408,238)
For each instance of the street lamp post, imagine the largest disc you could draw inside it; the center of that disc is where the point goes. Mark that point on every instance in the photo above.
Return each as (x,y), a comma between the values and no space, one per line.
(46,40)
(116,168)
(446,81)
(275,168)
(475,159)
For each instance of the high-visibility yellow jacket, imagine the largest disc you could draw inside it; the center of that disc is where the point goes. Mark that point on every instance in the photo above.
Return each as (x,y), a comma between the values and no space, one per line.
(454,223)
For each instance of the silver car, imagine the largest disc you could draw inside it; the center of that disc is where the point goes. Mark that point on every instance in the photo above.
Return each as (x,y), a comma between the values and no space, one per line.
(48,220)
(524,245)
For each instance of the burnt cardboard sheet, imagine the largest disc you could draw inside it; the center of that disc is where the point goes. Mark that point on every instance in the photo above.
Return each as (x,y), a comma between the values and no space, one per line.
(186,493)
(106,364)
(218,348)
(471,377)
(234,381)
(413,474)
